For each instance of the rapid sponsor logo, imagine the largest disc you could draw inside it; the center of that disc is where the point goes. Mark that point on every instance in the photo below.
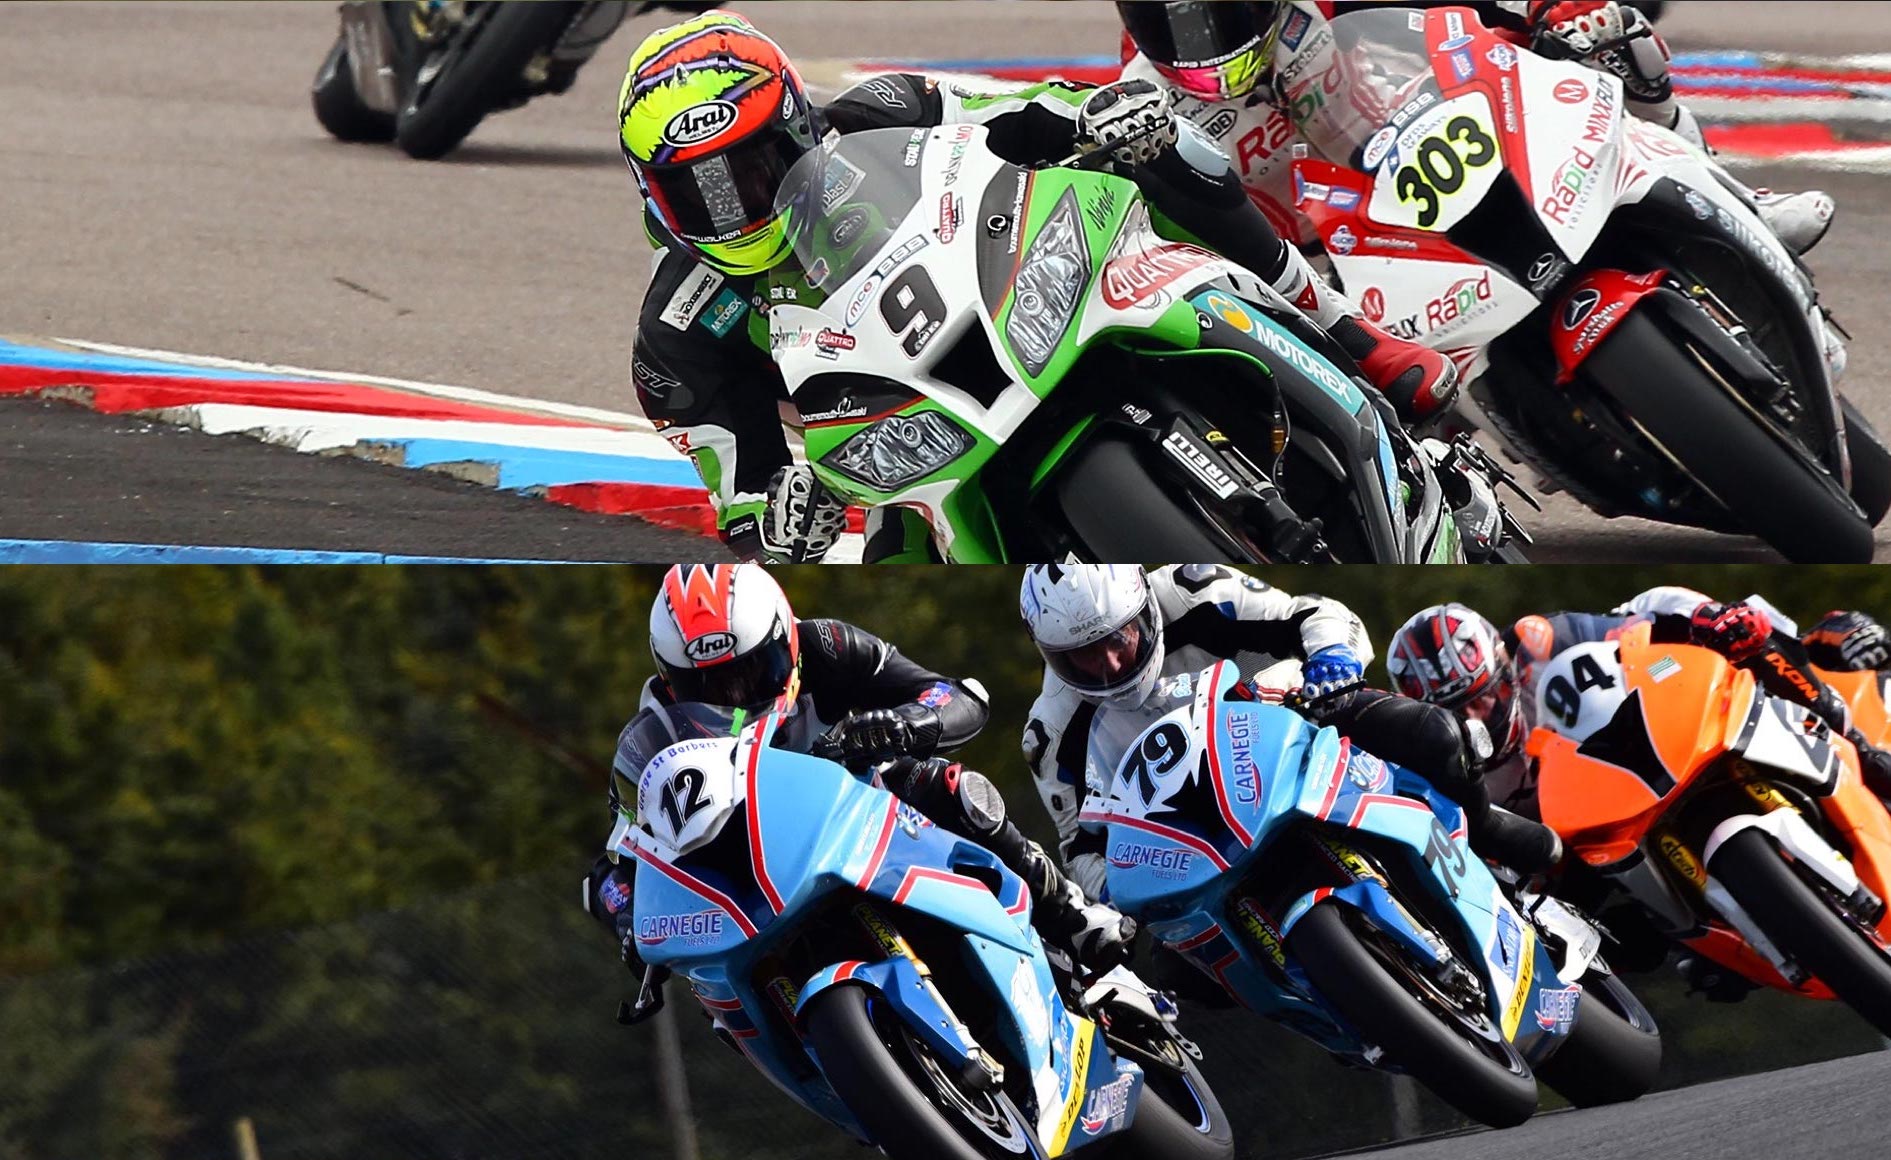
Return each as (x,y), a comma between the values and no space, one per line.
(1556,1008)
(1164,861)
(1571,186)
(1260,144)
(1135,278)
(1458,302)
(1107,1105)
(703,926)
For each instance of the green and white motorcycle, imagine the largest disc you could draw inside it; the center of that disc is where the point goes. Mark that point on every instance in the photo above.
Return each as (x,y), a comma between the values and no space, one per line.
(1021,358)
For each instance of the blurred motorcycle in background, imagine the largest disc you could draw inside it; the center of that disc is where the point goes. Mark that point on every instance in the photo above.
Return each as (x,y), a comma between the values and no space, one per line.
(423,73)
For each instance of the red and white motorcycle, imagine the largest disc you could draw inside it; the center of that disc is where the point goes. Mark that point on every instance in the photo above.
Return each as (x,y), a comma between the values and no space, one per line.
(1628,325)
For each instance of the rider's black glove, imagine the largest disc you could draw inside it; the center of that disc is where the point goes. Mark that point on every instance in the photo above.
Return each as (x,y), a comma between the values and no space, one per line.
(1873,763)
(909,730)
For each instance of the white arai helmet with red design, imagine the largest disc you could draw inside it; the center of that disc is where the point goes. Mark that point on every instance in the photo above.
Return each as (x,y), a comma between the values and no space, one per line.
(1453,657)
(723,634)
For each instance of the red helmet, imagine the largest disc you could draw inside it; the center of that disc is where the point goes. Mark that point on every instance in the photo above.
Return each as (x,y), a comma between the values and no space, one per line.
(1451,656)
(724,635)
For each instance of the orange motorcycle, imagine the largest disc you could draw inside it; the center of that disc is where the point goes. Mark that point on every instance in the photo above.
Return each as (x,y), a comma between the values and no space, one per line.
(1736,819)
(1868,693)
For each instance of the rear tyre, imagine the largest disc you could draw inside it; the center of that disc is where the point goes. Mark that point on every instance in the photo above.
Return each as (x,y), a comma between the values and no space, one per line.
(877,1068)
(1480,1074)
(1871,463)
(483,67)
(1769,490)
(1123,514)
(338,106)
(1613,1053)
(1801,921)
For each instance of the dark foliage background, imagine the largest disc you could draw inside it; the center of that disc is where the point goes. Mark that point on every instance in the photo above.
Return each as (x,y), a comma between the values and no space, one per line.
(301,845)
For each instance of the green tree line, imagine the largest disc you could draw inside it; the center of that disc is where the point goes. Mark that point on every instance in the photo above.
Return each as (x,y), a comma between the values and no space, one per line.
(307,840)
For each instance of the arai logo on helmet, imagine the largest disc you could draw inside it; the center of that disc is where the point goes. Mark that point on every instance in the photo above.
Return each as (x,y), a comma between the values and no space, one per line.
(700,123)
(1581,306)
(709,646)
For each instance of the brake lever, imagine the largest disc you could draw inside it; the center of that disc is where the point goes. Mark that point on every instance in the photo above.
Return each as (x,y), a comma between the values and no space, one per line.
(649,998)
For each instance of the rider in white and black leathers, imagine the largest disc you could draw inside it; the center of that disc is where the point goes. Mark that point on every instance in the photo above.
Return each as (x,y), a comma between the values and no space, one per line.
(1110,635)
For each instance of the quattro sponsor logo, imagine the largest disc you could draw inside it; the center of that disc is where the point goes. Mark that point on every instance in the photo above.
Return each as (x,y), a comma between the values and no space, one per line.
(830,343)
(951,215)
(703,926)
(1135,278)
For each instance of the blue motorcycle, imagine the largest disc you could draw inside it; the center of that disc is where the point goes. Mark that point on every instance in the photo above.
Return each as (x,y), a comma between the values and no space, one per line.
(881,971)
(1336,894)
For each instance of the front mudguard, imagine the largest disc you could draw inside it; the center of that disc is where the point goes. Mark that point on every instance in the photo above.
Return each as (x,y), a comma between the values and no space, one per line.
(900,985)
(1375,904)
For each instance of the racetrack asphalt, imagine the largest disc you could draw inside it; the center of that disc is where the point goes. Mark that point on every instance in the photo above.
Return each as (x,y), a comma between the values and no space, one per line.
(1822,1111)
(163,184)
(70,474)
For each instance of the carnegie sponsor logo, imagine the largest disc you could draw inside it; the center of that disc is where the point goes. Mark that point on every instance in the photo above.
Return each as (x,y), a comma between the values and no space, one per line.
(1458,302)
(703,926)
(1556,1008)
(1135,278)
(1107,1106)
(1166,861)
(1247,776)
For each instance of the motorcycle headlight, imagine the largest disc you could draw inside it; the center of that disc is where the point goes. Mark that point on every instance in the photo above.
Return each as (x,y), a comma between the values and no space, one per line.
(1049,286)
(896,451)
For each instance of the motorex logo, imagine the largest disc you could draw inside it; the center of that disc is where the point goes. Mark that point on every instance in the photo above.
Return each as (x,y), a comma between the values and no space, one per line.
(1269,333)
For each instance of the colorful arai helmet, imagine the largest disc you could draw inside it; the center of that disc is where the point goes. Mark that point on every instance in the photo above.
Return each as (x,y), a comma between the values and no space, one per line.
(712,116)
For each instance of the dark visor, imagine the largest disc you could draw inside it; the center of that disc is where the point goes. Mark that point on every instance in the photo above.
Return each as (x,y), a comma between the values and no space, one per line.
(1108,662)
(722,197)
(752,680)
(1192,35)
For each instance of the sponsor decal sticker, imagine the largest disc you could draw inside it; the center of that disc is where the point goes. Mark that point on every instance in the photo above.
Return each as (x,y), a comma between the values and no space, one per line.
(1663,668)
(938,696)
(614,894)
(1372,304)
(691,297)
(858,306)
(1342,241)
(1247,775)
(886,92)
(1503,57)
(1571,91)
(1135,278)
(726,311)
(1163,861)
(1556,1008)
(1379,147)
(1509,939)
(1108,1105)
(830,343)
(701,927)
(1459,302)
(1344,199)
(951,216)
(1462,65)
